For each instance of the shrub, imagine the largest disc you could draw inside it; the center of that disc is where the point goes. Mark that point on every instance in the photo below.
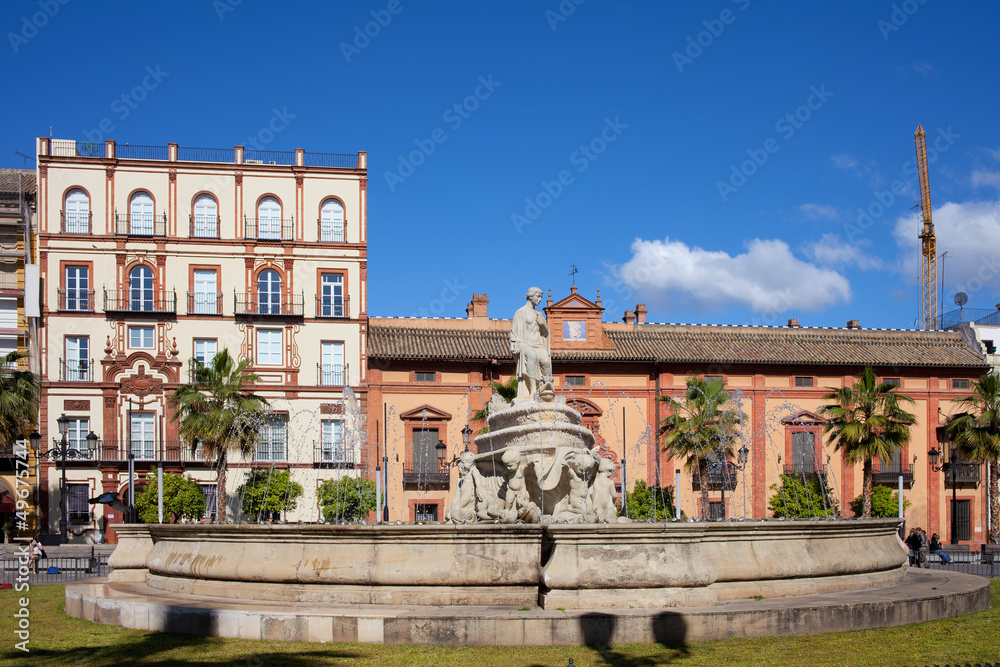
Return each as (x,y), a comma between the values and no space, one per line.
(885,503)
(802,498)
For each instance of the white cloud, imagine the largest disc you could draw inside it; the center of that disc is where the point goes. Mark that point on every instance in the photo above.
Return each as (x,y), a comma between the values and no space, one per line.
(832,251)
(817,211)
(982,177)
(767,277)
(970,232)
(843,161)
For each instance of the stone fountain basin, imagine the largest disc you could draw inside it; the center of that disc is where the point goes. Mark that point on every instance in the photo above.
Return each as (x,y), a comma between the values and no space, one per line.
(580,566)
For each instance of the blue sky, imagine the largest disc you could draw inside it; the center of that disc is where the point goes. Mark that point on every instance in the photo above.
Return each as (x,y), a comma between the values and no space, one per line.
(710,160)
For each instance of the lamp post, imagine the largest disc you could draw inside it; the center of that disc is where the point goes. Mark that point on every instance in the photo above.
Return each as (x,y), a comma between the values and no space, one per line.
(952,466)
(63,423)
(442,452)
(466,437)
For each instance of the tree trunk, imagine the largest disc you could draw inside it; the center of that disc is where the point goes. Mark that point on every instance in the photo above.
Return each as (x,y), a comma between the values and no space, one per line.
(703,479)
(220,490)
(994,502)
(866,490)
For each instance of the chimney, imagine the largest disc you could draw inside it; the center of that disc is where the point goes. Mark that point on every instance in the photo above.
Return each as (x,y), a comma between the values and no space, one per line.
(853,324)
(640,313)
(477,307)
(629,317)
(793,323)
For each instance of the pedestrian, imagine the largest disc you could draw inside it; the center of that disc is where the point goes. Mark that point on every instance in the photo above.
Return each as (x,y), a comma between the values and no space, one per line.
(936,549)
(913,541)
(35,550)
(925,548)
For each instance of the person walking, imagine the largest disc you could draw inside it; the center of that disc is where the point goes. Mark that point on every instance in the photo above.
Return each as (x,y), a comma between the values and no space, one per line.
(35,550)
(913,541)
(938,550)
(925,548)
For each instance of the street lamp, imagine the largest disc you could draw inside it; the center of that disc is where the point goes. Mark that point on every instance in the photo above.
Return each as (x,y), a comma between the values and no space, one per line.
(953,465)
(63,423)
(442,452)
(466,437)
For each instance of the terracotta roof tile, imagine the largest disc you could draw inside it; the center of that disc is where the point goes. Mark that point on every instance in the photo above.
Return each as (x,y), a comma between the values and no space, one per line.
(10,180)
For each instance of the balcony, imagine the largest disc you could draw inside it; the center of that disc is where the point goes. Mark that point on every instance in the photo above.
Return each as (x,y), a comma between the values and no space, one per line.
(269,305)
(336,307)
(76,370)
(425,475)
(140,301)
(76,222)
(888,473)
(205,226)
(75,300)
(716,479)
(140,224)
(269,229)
(333,455)
(117,451)
(331,375)
(328,231)
(965,474)
(202,303)
(802,471)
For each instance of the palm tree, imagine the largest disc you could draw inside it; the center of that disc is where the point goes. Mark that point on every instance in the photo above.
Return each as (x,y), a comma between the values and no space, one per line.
(866,421)
(700,428)
(19,394)
(218,413)
(508,391)
(976,433)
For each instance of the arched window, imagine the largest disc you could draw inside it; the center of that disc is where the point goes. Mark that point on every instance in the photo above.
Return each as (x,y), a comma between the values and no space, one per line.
(331,221)
(140,210)
(205,221)
(140,288)
(76,217)
(269,292)
(268,218)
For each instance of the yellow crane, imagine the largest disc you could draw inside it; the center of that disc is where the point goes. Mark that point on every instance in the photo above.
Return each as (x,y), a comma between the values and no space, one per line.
(928,261)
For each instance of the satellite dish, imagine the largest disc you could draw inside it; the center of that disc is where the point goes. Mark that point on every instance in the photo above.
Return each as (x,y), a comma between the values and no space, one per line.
(961,299)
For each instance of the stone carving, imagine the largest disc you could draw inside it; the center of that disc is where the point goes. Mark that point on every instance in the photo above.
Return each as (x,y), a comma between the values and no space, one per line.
(517,505)
(530,343)
(76,405)
(463,506)
(603,493)
(141,384)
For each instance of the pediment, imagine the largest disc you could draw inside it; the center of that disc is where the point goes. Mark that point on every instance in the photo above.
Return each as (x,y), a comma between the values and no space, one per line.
(584,407)
(574,301)
(425,412)
(804,417)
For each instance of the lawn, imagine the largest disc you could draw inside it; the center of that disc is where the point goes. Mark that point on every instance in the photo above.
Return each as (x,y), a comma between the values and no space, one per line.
(57,639)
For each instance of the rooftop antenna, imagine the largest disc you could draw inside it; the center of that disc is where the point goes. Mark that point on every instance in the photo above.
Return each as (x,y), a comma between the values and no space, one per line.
(573,273)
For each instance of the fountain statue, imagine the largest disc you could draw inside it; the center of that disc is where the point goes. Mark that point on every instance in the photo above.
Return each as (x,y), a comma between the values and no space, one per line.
(536,464)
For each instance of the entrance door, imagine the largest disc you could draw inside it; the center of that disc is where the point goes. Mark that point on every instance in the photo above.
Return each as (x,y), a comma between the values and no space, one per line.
(142,440)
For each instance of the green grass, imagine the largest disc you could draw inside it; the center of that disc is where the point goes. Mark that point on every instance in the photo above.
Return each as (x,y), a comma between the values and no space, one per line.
(57,639)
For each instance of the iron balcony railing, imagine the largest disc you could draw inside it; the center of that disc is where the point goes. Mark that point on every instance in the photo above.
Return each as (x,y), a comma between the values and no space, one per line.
(76,370)
(269,229)
(422,475)
(137,152)
(333,455)
(268,454)
(888,473)
(257,156)
(336,160)
(965,473)
(333,306)
(75,300)
(118,451)
(78,149)
(269,305)
(799,470)
(140,224)
(76,222)
(140,301)
(205,226)
(331,231)
(186,154)
(204,303)
(331,375)
(716,479)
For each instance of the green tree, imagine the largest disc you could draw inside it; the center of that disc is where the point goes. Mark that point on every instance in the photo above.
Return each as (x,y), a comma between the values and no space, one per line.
(976,434)
(346,499)
(866,421)
(220,414)
(646,503)
(885,503)
(700,428)
(182,499)
(267,492)
(801,498)
(507,390)
(19,392)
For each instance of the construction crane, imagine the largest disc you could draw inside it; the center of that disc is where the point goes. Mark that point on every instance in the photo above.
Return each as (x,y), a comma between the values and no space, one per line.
(928,261)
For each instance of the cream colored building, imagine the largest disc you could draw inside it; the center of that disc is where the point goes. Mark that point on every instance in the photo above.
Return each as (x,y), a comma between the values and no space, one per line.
(154,255)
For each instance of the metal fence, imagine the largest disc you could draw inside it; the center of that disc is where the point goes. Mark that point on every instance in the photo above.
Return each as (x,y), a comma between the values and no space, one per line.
(55,570)
(983,563)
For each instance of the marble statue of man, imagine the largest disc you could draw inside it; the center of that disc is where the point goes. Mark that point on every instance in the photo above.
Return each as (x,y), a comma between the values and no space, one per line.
(530,345)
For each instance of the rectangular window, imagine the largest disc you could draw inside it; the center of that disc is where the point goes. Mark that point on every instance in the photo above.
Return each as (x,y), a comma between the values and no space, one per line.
(206,299)
(140,338)
(425,442)
(211,506)
(78,288)
(272,441)
(425,512)
(990,347)
(803,452)
(893,381)
(205,349)
(77,364)
(269,347)
(962,522)
(142,436)
(960,384)
(425,376)
(77,506)
(332,303)
(76,434)
(331,371)
(576,380)
(333,442)
(803,382)
(716,510)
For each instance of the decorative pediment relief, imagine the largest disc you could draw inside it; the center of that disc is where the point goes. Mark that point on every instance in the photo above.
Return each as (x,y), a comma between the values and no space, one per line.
(425,413)
(584,407)
(804,417)
(141,384)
